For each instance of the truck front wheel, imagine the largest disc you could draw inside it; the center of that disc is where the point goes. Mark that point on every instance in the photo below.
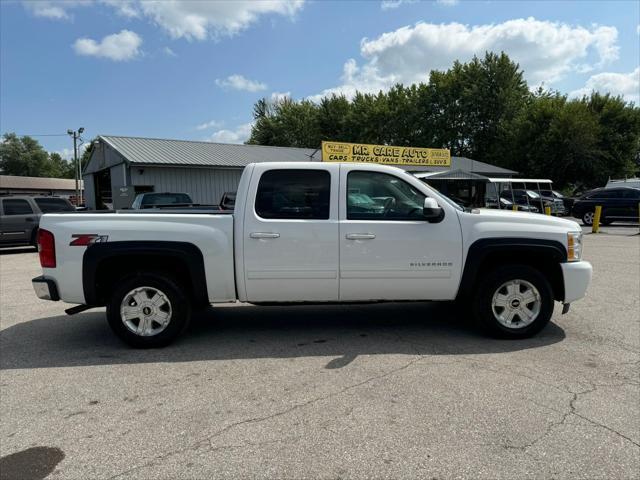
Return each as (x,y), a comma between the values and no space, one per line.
(148,310)
(514,301)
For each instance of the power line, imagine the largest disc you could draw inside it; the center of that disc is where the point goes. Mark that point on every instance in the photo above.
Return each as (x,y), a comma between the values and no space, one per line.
(41,135)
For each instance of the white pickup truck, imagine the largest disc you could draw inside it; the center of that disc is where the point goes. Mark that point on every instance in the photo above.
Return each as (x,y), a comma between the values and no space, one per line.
(313,233)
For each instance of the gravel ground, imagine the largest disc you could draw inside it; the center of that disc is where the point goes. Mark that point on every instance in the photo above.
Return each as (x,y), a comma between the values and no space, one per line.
(384,391)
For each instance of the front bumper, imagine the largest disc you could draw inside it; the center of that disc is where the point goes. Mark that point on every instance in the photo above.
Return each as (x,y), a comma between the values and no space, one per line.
(577,277)
(45,288)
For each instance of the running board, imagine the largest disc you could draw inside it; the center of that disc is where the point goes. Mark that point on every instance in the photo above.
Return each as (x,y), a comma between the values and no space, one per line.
(77,309)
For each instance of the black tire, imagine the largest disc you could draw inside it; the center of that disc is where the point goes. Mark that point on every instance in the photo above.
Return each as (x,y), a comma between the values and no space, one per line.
(489,285)
(179,307)
(587,218)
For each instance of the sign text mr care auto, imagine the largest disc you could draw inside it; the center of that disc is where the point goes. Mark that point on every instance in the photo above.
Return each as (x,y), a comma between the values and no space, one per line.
(385,154)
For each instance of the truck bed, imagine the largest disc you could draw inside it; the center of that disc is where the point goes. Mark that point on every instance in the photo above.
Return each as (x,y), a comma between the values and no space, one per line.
(211,232)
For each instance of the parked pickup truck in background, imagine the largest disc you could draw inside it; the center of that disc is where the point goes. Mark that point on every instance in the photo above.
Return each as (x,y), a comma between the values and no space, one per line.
(154,200)
(313,233)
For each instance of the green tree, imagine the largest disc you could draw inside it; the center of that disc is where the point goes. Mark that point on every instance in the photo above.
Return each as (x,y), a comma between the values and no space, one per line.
(555,138)
(25,156)
(471,105)
(482,109)
(618,143)
(59,167)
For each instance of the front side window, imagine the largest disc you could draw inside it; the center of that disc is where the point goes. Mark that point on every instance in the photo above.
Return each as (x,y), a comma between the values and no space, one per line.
(49,205)
(380,196)
(16,207)
(604,194)
(294,194)
(633,194)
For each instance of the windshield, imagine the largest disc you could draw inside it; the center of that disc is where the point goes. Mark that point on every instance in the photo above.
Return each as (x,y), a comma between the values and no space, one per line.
(48,205)
(532,194)
(444,197)
(165,198)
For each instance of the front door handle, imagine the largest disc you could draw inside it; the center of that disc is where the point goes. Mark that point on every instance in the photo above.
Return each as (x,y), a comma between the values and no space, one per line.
(360,236)
(264,235)
(30,219)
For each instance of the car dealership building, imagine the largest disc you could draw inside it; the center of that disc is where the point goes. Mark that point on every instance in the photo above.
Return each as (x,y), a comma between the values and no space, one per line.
(121,167)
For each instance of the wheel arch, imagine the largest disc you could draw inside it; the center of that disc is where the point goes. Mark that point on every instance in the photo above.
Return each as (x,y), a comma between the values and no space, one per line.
(486,254)
(105,263)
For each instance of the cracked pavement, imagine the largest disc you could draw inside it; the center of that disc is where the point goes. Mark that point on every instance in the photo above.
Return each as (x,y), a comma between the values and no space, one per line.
(387,391)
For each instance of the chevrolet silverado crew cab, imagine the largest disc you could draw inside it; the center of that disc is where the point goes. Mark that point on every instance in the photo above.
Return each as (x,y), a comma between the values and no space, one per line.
(313,233)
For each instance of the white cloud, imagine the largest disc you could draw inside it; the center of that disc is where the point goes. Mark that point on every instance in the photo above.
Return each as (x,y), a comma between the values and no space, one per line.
(393,4)
(626,85)
(118,46)
(239,135)
(279,96)
(201,19)
(56,10)
(126,8)
(169,52)
(238,82)
(190,19)
(546,51)
(447,3)
(66,153)
(209,124)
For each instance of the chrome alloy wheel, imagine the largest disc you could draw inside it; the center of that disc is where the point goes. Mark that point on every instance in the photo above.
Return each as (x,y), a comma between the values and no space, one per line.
(588,218)
(146,311)
(516,304)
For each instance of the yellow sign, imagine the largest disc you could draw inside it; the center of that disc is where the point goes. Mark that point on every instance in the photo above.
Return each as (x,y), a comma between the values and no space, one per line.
(385,154)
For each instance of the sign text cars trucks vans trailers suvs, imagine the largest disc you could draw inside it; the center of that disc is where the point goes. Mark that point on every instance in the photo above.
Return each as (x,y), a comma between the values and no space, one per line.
(313,233)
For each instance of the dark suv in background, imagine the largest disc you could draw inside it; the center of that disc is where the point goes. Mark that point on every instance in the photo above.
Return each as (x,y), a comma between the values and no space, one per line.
(618,204)
(20,217)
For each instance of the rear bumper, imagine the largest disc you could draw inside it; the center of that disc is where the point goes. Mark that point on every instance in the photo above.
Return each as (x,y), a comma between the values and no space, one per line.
(577,277)
(45,288)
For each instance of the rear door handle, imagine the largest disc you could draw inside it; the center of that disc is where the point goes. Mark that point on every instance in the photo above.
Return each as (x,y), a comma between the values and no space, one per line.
(360,236)
(30,219)
(264,235)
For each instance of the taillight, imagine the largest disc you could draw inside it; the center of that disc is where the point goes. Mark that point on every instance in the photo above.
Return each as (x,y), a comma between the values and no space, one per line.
(47,248)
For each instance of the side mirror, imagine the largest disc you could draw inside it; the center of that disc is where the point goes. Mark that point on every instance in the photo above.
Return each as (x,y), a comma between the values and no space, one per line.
(431,211)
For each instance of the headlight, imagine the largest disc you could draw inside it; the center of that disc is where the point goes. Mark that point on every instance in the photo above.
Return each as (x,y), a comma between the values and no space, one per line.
(574,246)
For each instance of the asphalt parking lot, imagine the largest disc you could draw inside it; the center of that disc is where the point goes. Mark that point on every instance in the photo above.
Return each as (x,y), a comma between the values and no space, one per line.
(384,391)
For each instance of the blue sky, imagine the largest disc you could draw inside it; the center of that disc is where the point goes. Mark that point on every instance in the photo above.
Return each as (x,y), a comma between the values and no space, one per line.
(193,70)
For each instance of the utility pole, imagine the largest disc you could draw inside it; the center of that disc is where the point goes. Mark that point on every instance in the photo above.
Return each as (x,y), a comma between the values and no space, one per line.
(76,164)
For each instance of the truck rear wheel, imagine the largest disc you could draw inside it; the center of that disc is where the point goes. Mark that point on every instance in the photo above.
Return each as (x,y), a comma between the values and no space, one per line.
(148,310)
(514,301)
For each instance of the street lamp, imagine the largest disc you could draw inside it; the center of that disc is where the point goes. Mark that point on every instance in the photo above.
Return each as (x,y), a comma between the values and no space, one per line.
(76,164)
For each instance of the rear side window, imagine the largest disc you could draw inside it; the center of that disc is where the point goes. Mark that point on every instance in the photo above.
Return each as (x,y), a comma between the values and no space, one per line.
(16,207)
(291,194)
(48,205)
